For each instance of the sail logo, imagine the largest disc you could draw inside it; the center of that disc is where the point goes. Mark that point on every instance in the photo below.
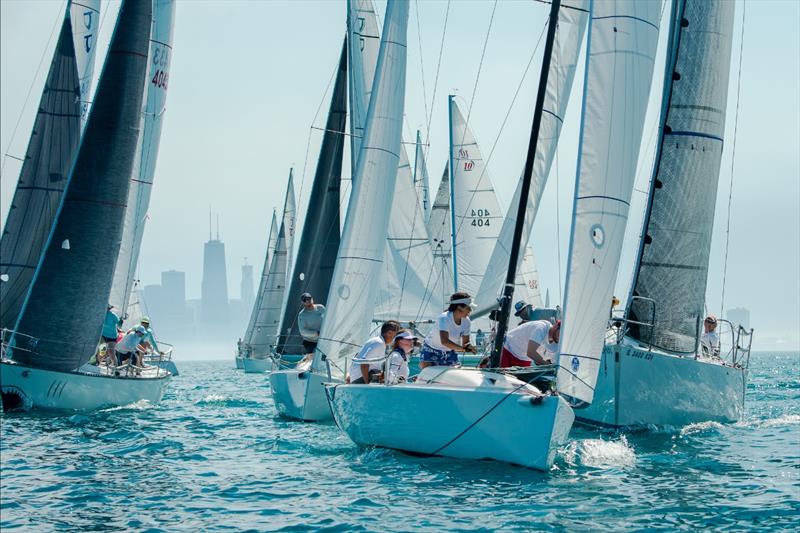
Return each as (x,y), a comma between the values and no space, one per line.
(576,364)
(87,22)
(463,153)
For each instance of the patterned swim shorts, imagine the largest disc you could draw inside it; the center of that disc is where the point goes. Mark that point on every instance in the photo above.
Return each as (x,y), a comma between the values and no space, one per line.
(437,357)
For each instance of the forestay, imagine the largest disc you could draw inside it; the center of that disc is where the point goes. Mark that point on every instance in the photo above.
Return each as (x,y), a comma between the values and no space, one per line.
(48,159)
(155,90)
(270,298)
(621,49)
(476,215)
(360,258)
(264,279)
(319,241)
(85,17)
(676,241)
(566,47)
(64,308)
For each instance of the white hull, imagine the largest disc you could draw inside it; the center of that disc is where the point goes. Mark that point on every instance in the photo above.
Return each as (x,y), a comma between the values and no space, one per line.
(637,387)
(169,366)
(92,388)
(239,362)
(300,395)
(256,366)
(449,417)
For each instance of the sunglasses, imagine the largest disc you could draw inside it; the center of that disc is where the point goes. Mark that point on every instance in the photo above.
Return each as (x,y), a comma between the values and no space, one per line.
(305,299)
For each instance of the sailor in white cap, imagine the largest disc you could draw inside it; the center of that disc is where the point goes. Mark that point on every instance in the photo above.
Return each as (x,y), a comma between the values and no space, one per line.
(397,364)
(450,335)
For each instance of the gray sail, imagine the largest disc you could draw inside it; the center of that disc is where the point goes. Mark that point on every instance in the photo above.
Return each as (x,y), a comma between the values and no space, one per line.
(319,242)
(51,151)
(62,316)
(676,240)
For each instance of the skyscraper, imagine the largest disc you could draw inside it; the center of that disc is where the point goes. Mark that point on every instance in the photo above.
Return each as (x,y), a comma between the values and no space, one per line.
(247,287)
(214,291)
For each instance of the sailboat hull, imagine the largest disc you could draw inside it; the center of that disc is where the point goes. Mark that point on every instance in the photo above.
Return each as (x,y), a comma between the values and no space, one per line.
(639,387)
(24,387)
(239,362)
(497,418)
(300,395)
(255,366)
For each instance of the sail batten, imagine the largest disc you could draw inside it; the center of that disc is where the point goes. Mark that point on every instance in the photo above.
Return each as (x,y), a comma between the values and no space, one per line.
(621,48)
(61,319)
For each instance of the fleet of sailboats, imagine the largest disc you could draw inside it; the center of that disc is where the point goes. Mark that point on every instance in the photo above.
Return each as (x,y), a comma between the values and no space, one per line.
(401,251)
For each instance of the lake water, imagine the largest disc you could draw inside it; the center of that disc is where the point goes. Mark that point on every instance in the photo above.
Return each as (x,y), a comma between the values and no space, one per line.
(214,456)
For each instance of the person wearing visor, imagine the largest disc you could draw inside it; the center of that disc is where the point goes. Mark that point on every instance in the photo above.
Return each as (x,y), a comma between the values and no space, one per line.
(309,322)
(397,364)
(127,349)
(149,338)
(450,335)
(367,365)
(534,341)
(709,340)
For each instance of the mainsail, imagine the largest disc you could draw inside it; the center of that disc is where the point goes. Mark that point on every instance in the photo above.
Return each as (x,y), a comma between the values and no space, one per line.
(676,241)
(264,279)
(363,35)
(621,49)
(267,310)
(319,241)
(60,321)
(155,90)
(475,215)
(85,29)
(439,231)
(360,258)
(572,17)
(48,159)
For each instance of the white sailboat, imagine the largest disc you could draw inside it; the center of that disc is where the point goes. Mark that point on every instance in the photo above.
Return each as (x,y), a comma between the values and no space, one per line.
(262,332)
(58,324)
(654,372)
(299,394)
(476,414)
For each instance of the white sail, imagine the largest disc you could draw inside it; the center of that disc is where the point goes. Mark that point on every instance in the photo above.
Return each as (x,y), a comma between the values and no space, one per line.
(476,214)
(421,178)
(289,223)
(621,49)
(141,185)
(566,47)
(363,36)
(85,17)
(359,261)
(528,280)
(263,280)
(439,232)
(409,289)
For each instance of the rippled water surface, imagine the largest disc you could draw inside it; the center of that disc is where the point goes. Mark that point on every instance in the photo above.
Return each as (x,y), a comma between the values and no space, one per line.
(213,455)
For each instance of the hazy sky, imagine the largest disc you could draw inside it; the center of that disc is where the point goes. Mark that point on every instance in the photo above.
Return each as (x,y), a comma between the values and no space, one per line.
(248,79)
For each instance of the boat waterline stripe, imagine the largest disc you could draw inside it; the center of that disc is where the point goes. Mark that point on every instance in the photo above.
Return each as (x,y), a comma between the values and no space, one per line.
(695,134)
(630,17)
(604,198)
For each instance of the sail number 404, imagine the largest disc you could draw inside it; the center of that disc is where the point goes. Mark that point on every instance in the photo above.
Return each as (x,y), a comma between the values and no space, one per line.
(160,79)
(480,217)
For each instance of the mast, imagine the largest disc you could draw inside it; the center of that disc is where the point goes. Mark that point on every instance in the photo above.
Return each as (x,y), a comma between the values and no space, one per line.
(452,194)
(508,291)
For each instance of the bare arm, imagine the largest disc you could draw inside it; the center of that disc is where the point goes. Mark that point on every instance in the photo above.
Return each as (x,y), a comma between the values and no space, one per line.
(444,338)
(364,372)
(467,345)
(533,353)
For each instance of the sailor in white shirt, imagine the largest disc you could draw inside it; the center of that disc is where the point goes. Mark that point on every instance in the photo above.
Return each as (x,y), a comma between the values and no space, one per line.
(450,335)
(370,359)
(531,342)
(709,340)
(127,347)
(397,365)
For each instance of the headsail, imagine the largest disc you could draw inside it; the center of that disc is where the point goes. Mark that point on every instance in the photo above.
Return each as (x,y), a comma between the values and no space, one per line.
(264,279)
(154,105)
(621,49)
(476,216)
(319,242)
(676,241)
(48,159)
(528,279)
(85,17)
(64,308)
(289,224)
(358,265)
(439,231)
(421,179)
(566,47)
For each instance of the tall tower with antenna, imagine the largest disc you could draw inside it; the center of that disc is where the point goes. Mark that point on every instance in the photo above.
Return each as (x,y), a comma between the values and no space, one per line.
(214,291)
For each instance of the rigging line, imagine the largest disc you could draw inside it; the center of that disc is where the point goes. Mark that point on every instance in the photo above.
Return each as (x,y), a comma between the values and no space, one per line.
(733,160)
(503,124)
(421,62)
(429,118)
(59,16)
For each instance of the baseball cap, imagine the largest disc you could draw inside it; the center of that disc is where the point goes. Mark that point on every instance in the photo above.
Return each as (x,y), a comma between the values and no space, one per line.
(520,307)
(306,296)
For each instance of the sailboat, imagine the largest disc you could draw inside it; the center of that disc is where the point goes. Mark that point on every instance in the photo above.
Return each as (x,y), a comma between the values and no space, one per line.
(654,371)
(477,413)
(359,263)
(262,331)
(44,356)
